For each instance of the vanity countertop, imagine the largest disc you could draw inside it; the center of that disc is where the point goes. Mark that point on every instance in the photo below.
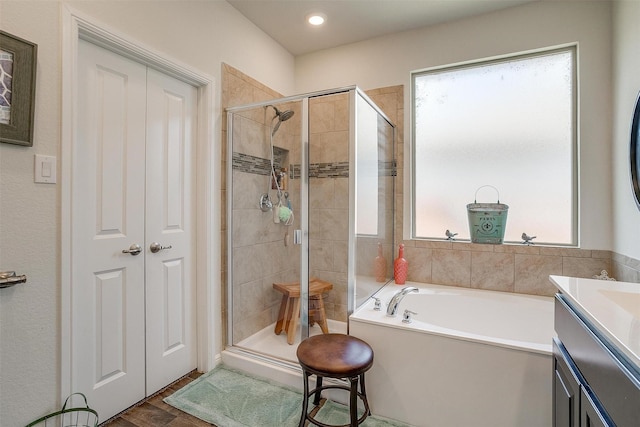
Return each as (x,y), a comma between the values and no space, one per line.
(612,307)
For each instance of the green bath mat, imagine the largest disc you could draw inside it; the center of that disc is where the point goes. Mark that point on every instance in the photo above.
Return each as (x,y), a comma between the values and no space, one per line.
(229,398)
(337,414)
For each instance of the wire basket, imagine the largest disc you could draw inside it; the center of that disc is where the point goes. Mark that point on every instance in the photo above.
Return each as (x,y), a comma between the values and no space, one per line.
(81,416)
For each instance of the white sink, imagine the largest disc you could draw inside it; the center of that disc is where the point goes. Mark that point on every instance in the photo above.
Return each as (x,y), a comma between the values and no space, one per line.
(629,301)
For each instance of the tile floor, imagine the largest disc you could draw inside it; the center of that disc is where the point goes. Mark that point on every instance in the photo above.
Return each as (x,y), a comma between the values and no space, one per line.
(153,412)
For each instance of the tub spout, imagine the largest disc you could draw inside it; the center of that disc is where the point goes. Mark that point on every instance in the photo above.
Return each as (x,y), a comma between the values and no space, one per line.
(392,309)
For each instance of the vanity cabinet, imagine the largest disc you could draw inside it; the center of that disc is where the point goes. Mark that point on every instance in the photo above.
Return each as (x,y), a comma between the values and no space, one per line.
(593,384)
(573,403)
(590,414)
(566,389)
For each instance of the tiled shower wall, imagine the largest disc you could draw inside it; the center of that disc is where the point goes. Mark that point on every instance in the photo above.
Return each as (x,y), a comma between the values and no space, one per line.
(508,267)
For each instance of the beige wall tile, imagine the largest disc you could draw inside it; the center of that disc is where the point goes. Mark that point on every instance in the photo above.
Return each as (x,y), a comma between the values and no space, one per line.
(584,267)
(493,271)
(340,258)
(246,264)
(250,137)
(341,195)
(236,91)
(624,273)
(601,254)
(451,267)
(248,188)
(333,224)
(420,264)
(329,147)
(321,254)
(626,261)
(322,117)
(432,244)
(532,273)
(517,249)
(570,252)
(474,247)
(321,193)
(342,118)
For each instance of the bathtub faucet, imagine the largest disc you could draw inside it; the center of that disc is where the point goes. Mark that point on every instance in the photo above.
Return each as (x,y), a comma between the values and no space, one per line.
(392,309)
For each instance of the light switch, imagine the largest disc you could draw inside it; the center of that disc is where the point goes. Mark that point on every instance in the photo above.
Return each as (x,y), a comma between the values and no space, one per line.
(45,169)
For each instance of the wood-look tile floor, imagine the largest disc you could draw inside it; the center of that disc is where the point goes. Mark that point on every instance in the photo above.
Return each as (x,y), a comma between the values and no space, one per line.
(153,412)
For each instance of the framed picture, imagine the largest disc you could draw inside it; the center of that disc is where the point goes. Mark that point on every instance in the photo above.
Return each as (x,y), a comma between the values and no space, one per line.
(17,89)
(634,153)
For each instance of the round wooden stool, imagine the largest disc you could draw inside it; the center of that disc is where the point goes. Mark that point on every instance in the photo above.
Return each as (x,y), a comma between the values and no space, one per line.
(335,356)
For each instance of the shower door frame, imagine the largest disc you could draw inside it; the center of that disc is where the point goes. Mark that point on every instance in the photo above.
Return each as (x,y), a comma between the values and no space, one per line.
(353,92)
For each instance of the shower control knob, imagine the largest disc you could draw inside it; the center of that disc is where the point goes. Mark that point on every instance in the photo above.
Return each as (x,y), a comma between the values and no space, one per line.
(157,247)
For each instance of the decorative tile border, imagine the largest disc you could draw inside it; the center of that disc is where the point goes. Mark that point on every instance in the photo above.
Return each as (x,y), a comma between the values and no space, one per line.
(251,164)
(257,165)
(328,170)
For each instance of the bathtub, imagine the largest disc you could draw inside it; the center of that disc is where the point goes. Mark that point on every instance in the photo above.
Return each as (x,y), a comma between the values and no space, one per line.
(468,358)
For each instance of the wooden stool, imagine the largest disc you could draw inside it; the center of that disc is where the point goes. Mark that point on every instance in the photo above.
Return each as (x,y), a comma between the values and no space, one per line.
(290,306)
(335,356)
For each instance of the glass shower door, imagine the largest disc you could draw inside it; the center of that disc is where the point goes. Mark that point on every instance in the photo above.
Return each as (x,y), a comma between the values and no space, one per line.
(263,212)
(300,258)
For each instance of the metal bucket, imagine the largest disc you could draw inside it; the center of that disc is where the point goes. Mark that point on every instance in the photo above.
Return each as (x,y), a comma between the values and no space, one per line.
(487,221)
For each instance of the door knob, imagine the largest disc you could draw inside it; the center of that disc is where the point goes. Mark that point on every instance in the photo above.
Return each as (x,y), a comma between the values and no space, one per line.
(157,247)
(134,249)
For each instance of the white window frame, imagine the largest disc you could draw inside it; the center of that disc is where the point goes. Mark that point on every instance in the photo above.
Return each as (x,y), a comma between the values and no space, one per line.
(410,214)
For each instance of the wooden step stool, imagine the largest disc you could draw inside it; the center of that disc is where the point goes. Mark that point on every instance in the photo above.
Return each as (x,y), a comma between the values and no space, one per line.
(290,306)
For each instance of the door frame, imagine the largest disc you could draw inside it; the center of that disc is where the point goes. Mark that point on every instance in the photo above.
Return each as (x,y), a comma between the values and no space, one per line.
(75,26)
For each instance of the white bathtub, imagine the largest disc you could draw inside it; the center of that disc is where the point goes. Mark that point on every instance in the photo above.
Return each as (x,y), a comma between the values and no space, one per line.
(468,358)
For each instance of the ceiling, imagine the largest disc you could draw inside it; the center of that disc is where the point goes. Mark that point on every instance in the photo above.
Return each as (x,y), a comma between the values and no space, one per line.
(350,21)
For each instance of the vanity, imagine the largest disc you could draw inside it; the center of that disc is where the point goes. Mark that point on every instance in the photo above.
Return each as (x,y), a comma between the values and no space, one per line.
(596,363)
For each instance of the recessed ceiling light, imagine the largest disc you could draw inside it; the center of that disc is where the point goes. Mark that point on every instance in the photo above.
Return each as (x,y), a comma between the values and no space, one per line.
(316,19)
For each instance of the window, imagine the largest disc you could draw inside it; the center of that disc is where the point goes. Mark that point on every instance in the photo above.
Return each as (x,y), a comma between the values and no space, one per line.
(509,123)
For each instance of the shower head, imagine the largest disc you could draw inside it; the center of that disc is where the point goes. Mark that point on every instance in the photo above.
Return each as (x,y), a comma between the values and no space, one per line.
(282,116)
(285,115)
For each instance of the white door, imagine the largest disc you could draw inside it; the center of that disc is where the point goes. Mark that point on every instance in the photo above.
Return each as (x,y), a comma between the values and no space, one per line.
(133,314)
(170,222)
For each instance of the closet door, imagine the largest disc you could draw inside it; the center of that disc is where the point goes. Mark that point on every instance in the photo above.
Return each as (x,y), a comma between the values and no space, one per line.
(108,216)
(133,231)
(170,206)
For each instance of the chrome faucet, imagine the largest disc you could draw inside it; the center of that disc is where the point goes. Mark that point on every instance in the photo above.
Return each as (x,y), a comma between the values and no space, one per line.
(392,308)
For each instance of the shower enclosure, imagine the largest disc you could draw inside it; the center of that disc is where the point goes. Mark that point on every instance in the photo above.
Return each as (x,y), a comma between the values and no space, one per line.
(309,200)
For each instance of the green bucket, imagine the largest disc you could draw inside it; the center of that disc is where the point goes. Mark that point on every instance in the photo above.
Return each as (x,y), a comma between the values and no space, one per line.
(487,221)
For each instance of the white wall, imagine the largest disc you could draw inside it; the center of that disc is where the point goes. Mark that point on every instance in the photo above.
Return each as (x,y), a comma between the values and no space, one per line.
(197,33)
(29,218)
(626,77)
(388,60)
